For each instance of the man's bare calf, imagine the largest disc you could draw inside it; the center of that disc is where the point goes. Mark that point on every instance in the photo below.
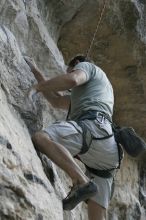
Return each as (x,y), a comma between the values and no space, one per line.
(60,156)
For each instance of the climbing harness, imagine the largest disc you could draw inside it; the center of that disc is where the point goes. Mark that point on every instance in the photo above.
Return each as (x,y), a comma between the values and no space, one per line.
(88,138)
(87,141)
(97,27)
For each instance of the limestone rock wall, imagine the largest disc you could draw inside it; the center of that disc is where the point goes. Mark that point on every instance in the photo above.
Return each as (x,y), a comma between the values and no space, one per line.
(31,187)
(28,189)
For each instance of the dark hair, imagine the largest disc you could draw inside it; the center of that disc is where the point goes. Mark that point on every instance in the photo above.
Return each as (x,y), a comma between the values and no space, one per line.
(80,58)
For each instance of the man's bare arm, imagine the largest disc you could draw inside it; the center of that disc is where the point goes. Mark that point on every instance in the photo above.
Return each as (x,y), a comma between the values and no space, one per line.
(59,83)
(50,88)
(54,98)
(63,82)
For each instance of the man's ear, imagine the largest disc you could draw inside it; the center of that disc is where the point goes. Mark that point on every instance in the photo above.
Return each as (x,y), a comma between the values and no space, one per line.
(77,61)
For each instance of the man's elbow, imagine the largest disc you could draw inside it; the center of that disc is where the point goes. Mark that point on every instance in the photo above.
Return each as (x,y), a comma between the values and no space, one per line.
(72,83)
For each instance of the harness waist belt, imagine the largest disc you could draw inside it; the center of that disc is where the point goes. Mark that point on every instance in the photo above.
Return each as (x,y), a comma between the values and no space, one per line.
(93,114)
(102,173)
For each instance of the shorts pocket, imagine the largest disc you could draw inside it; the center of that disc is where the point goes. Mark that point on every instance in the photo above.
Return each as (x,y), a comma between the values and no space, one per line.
(103,129)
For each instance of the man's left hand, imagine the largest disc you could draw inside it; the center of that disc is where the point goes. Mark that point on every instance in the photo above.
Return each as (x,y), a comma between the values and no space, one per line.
(30,63)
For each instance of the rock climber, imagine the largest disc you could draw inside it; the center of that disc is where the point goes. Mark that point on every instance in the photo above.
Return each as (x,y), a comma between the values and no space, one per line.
(86,134)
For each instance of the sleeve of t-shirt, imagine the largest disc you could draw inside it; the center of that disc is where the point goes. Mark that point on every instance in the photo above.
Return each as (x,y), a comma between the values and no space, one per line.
(86,68)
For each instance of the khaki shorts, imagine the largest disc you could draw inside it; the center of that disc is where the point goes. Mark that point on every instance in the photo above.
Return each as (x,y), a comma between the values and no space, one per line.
(103,154)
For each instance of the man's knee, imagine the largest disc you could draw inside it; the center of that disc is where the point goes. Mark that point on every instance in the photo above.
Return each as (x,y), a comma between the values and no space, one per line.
(37,138)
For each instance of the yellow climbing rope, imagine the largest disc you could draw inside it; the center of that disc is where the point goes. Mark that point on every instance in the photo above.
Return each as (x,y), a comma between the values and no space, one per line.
(97,27)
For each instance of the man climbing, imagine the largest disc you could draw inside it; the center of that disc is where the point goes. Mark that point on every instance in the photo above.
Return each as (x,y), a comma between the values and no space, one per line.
(87,133)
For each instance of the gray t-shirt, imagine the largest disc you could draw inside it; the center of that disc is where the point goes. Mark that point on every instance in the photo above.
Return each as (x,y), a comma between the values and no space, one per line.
(95,94)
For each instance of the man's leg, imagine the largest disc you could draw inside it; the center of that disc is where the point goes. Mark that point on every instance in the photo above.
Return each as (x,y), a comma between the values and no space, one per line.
(59,142)
(60,156)
(95,211)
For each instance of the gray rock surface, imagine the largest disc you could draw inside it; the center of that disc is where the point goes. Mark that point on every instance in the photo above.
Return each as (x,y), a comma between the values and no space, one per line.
(31,186)
(27,189)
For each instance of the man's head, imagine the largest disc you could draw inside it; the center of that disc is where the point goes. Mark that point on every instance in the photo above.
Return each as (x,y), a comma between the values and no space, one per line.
(77,59)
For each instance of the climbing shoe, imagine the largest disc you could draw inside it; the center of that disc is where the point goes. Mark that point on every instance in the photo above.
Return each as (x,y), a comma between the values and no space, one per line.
(78,194)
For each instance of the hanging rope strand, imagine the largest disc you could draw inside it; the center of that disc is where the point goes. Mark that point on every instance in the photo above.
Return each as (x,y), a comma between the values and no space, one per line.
(97,27)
